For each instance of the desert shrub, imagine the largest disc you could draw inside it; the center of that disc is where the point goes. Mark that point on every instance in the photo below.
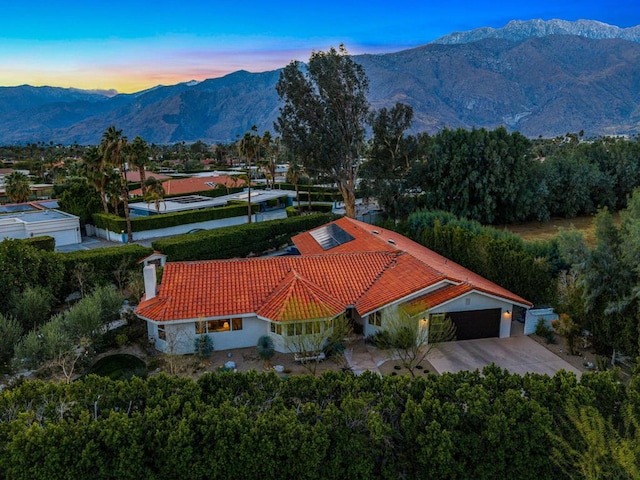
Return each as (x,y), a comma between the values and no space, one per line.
(544,331)
(10,333)
(266,349)
(31,307)
(203,346)
(99,265)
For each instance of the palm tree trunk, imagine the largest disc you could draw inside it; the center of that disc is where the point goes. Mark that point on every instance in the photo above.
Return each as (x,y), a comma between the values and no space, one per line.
(143,177)
(125,199)
(103,198)
(249,195)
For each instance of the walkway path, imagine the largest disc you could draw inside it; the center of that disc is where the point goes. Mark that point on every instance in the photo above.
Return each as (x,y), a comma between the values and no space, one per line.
(362,357)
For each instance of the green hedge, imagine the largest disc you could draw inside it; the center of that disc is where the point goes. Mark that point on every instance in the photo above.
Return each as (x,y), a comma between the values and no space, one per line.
(502,257)
(293,210)
(117,224)
(306,188)
(319,196)
(102,263)
(237,241)
(466,425)
(46,243)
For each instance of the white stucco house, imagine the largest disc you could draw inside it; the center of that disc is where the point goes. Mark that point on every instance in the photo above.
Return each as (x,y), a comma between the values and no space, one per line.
(34,221)
(346,267)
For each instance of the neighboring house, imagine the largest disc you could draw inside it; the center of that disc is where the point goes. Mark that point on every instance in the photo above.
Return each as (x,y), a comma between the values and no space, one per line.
(36,219)
(345,267)
(133,176)
(194,184)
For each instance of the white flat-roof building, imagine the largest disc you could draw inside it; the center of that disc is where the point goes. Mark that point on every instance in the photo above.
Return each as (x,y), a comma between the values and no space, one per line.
(64,227)
(195,202)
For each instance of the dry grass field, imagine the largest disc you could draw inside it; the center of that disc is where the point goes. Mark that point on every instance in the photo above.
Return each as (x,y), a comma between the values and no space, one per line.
(547,230)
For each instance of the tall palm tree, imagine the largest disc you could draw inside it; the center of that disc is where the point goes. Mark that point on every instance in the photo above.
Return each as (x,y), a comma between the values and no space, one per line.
(293,175)
(270,149)
(138,155)
(249,146)
(94,170)
(113,190)
(113,150)
(154,192)
(17,187)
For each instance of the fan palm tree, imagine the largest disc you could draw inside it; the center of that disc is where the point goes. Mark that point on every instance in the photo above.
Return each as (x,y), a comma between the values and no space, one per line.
(138,155)
(294,172)
(94,170)
(270,148)
(113,150)
(154,192)
(249,146)
(17,187)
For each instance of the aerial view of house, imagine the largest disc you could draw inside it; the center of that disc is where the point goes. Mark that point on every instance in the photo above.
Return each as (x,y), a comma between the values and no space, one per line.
(346,267)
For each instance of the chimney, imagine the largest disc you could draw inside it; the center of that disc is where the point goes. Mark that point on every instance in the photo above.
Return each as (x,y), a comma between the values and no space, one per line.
(150,282)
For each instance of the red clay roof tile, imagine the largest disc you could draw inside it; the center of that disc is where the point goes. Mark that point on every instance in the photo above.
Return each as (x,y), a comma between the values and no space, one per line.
(368,272)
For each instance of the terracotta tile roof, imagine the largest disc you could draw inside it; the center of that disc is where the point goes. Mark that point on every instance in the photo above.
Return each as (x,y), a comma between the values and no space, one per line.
(218,288)
(195,184)
(438,297)
(296,298)
(134,175)
(404,276)
(367,272)
(369,238)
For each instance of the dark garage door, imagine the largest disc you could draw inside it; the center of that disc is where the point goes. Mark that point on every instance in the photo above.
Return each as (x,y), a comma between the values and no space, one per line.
(476,323)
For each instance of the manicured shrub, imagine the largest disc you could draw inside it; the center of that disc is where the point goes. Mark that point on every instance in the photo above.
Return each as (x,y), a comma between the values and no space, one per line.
(44,242)
(237,241)
(527,269)
(115,223)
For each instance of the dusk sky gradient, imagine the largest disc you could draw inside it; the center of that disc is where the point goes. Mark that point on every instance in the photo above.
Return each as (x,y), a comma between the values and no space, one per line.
(133,45)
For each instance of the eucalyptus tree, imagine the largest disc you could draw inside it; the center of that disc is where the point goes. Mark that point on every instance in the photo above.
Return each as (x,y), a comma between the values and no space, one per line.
(323,117)
(17,187)
(392,154)
(113,151)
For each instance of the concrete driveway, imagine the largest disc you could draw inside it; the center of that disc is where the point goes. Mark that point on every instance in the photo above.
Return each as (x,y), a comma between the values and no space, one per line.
(518,354)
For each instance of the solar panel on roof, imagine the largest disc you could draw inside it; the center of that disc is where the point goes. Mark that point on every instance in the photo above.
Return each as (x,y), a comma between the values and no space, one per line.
(330,236)
(16,208)
(190,199)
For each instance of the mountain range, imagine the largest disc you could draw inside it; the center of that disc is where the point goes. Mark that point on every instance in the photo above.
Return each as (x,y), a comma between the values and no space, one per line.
(542,78)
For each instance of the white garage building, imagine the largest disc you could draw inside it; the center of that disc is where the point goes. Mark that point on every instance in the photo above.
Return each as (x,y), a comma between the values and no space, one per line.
(64,227)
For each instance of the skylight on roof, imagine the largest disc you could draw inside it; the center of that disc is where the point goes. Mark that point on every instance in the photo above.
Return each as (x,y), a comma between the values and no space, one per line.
(330,236)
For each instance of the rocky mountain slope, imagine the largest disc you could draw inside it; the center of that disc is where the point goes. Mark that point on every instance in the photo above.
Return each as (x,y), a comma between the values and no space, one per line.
(541,78)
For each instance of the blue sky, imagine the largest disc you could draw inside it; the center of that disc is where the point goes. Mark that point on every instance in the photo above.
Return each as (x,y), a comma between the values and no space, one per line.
(133,45)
